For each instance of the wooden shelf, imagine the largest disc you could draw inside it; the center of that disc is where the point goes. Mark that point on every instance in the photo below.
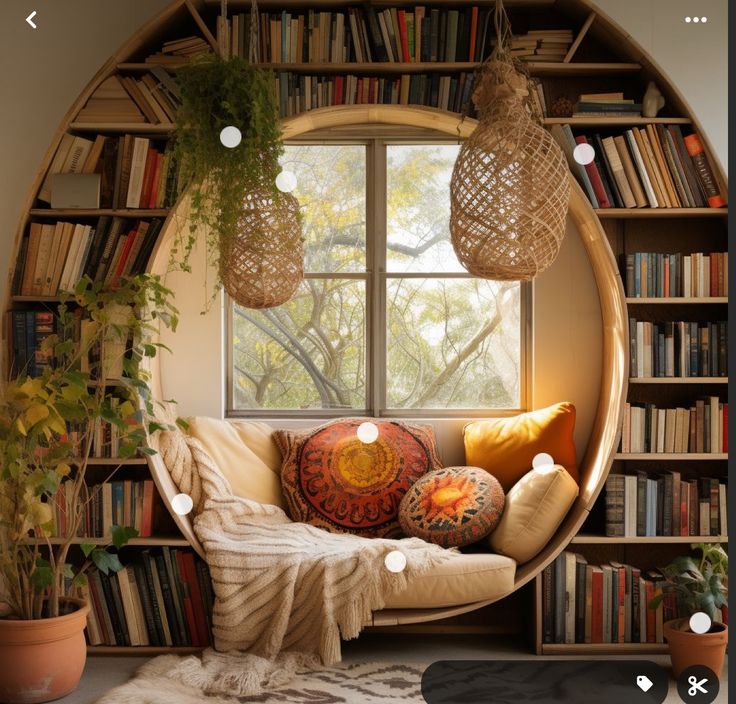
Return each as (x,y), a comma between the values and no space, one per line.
(87,212)
(646,540)
(114,461)
(131,127)
(36,299)
(679,380)
(677,300)
(171,541)
(142,650)
(604,648)
(326,4)
(679,456)
(602,121)
(633,213)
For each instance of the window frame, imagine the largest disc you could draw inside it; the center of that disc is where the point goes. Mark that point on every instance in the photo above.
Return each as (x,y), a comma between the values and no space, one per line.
(376,279)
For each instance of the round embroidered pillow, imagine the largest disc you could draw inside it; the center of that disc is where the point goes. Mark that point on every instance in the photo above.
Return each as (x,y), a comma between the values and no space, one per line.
(452,507)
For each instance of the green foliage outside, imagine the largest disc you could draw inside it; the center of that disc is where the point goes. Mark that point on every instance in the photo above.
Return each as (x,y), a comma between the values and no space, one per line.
(36,453)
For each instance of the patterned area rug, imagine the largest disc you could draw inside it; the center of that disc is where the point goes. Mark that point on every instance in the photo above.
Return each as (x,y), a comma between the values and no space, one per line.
(218,679)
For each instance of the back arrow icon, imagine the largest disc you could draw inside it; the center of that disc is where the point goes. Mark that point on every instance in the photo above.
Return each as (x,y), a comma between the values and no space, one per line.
(30,21)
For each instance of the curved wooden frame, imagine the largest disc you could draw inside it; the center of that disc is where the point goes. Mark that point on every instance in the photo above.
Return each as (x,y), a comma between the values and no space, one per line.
(614,378)
(614,381)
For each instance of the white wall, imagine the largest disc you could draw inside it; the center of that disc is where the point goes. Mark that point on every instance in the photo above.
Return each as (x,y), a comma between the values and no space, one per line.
(42,71)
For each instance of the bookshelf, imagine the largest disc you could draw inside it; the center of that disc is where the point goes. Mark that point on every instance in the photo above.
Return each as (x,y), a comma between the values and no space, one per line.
(601,59)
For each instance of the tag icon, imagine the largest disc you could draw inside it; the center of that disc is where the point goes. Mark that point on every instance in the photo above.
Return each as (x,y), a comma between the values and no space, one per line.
(644,683)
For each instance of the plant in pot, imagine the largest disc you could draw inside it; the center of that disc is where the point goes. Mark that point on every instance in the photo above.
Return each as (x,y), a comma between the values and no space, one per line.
(92,370)
(699,585)
(252,230)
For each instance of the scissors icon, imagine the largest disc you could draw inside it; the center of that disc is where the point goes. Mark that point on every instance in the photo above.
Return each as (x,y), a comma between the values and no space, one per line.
(696,686)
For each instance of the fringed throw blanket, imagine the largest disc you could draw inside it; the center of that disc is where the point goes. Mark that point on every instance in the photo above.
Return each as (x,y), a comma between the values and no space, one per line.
(279,585)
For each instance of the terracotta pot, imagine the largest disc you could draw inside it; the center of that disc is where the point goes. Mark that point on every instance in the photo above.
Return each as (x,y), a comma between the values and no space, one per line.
(42,659)
(688,648)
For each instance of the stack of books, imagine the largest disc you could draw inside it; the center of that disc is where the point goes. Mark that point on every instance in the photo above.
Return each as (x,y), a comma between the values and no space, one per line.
(179,51)
(678,349)
(110,102)
(606,105)
(366,34)
(657,275)
(55,255)
(165,599)
(584,603)
(649,505)
(156,94)
(653,166)
(299,93)
(121,503)
(548,45)
(702,428)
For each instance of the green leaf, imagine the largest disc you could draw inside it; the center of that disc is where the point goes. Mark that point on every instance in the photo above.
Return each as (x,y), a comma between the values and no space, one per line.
(122,534)
(80,580)
(42,576)
(87,548)
(68,571)
(105,561)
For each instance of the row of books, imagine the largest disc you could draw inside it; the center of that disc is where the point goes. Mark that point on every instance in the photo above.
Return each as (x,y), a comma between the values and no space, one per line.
(134,171)
(701,428)
(646,505)
(610,603)
(178,51)
(164,599)
(26,331)
(658,275)
(298,92)
(606,105)
(653,166)
(678,349)
(121,503)
(154,98)
(542,45)
(366,34)
(55,256)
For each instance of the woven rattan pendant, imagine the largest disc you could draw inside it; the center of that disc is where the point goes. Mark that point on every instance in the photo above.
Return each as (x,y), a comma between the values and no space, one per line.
(510,185)
(263,264)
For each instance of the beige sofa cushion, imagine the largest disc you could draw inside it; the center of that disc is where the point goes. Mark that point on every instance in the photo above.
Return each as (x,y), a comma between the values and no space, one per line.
(245,454)
(535,507)
(461,579)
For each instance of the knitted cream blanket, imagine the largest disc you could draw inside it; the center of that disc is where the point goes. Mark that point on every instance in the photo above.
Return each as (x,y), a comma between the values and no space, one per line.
(280,585)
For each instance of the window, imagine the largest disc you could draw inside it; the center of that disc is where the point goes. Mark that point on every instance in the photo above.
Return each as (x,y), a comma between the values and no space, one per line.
(386,320)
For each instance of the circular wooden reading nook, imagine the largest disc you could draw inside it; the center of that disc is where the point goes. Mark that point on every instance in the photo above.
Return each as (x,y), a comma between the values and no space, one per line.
(601,58)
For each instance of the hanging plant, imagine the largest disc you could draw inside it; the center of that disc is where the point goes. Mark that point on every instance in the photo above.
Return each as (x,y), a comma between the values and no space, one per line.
(221,180)
(510,186)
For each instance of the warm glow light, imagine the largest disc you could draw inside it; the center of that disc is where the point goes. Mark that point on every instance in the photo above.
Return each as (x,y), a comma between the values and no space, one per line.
(367,432)
(542,461)
(286,181)
(230,136)
(395,561)
(182,504)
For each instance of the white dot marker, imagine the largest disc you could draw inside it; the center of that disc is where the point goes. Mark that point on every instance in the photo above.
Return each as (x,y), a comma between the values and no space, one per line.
(696,19)
(543,459)
(367,432)
(182,504)
(703,19)
(230,136)
(286,181)
(700,622)
(395,561)
(688,19)
(583,154)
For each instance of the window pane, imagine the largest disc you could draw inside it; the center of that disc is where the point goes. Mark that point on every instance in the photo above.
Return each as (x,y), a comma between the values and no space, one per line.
(453,343)
(331,192)
(418,208)
(308,353)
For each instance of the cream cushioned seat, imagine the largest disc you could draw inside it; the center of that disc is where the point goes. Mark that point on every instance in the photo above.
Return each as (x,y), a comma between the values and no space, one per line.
(461,579)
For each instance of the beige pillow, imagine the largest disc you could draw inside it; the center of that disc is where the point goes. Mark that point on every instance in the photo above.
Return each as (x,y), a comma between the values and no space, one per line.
(245,454)
(535,507)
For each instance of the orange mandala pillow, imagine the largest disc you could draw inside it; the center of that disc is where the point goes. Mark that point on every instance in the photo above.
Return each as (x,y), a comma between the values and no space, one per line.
(333,480)
(506,446)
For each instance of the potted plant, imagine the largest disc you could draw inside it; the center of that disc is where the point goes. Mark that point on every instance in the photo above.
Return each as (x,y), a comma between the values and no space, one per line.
(699,585)
(47,429)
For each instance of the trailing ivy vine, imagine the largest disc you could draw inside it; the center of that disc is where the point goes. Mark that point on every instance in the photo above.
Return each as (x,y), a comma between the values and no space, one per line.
(217,93)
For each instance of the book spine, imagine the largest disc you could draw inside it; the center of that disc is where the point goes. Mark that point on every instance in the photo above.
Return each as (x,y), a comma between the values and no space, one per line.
(705,174)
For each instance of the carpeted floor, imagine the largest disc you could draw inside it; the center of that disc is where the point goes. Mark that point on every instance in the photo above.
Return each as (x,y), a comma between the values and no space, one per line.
(400,653)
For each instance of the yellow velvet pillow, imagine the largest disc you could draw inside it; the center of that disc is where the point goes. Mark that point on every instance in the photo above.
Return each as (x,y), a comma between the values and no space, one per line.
(506,446)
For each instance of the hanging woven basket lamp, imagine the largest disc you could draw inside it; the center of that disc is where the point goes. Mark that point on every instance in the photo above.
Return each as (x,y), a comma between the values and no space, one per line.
(510,185)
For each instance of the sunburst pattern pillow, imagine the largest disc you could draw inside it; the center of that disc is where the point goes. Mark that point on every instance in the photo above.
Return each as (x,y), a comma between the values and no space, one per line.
(452,507)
